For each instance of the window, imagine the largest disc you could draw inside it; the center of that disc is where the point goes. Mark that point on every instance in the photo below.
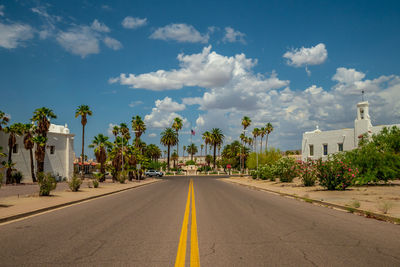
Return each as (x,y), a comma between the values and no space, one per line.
(15,149)
(340,147)
(325,146)
(311,150)
(362,113)
(52,149)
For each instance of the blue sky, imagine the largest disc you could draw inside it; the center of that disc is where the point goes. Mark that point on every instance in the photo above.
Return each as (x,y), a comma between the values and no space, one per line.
(296,64)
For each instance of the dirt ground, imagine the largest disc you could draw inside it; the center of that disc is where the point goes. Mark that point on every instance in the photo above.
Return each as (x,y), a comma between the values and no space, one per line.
(381,199)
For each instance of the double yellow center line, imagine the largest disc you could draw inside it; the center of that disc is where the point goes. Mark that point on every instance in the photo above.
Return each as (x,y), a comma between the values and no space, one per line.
(194,243)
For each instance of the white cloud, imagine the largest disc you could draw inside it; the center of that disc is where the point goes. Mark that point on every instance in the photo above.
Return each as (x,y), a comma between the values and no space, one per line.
(164,113)
(133,23)
(110,129)
(233,36)
(183,33)
(14,35)
(152,135)
(347,76)
(135,103)
(80,40)
(206,69)
(112,43)
(100,27)
(1,10)
(314,55)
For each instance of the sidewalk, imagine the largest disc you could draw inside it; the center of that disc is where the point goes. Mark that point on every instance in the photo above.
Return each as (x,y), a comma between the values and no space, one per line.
(379,201)
(14,205)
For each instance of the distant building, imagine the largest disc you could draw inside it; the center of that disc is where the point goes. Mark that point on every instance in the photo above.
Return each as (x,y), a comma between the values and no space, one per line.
(59,153)
(319,144)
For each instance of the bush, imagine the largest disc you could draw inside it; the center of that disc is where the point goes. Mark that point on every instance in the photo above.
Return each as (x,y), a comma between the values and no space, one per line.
(47,182)
(307,172)
(17,177)
(122,177)
(286,169)
(335,173)
(270,157)
(95,183)
(190,162)
(75,184)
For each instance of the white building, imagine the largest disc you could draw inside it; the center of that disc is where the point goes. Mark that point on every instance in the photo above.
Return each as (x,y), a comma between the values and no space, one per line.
(59,157)
(319,144)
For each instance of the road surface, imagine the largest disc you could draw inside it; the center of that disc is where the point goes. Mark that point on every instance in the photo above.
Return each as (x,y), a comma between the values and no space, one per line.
(167,223)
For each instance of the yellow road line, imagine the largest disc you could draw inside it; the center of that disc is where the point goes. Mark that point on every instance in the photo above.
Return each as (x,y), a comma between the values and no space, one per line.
(181,255)
(194,244)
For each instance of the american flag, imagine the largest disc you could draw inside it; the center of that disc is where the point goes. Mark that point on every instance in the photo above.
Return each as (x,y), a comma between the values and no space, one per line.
(193,132)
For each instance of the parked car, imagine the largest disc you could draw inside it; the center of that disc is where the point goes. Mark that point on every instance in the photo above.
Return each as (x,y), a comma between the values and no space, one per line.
(152,173)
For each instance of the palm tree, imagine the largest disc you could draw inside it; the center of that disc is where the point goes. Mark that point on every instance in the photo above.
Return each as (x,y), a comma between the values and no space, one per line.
(201,149)
(246,121)
(13,130)
(28,130)
(177,125)
(192,149)
(100,144)
(168,138)
(263,131)
(269,128)
(174,158)
(83,111)
(207,139)
(41,117)
(184,149)
(3,120)
(139,127)
(256,133)
(153,152)
(115,131)
(217,138)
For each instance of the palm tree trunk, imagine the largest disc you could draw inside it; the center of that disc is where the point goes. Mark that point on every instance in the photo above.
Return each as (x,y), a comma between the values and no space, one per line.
(83,149)
(261,145)
(215,151)
(206,149)
(266,142)
(9,170)
(168,158)
(32,166)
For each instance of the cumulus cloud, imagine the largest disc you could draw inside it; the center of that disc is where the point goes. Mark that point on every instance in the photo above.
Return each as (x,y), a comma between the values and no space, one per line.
(80,40)
(14,35)
(183,33)
(206,69)
(347,76)
(233,36)
(100,27)
(112,43)
(133,23)
(1,10)
(303,56)
(164,112)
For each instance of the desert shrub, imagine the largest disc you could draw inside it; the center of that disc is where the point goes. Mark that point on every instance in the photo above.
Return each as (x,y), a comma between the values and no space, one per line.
(307,172)
(385,206)
(17,177)
(95,183)
(204,169)
(122,177)
(47,182)
(335,173)
(286,169)
(75,184)
(100,177)
(268,172)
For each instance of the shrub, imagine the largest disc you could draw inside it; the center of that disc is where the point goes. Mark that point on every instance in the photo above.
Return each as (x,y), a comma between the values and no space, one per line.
(17,177)
(75,184)
(307,172)
(335,173)
(47,182)
(122,177)
(190,162)
(99,177)
(385,206)
(95,183)
(286,169)
(269,157)
(268,172)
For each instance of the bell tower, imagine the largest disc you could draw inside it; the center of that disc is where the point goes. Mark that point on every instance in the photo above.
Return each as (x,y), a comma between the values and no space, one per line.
(362,124)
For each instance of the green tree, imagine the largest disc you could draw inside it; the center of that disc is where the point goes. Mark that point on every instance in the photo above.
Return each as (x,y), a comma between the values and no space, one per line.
(4,119)
(268,129)
(217,138)
(201,149)
(13,130)
(263,131)
(174,158)
(177,126)
(256,133)
(207,139)
(100,144)
(169,138)
(192,149)
(29,144)
(139,127)
(83,111)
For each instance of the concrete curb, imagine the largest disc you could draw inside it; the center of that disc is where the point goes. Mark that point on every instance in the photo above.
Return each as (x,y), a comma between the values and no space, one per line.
(367,214)
(29,213)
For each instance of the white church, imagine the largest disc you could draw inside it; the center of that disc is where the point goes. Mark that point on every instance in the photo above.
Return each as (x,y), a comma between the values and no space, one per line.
(319,144)
(59,157)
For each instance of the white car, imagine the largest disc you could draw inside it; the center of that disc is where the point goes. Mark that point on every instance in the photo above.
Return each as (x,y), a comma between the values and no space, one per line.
(152,173)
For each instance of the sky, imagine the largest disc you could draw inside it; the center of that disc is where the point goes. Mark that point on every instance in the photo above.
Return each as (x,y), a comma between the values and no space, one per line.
(295,64)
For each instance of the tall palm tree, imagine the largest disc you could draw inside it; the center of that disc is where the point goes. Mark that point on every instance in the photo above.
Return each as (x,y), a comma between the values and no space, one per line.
(184,149)
(192,149)
(217,138)
(3,120)
(13,130)
(207,139)
(269,128)
(83,111)
(100,144)
(263,131)
(177,125)
(28,131)
(41,117)
(256,133)
(168,138)
(139,127)
(115,131)
(201,149)
(246,121)
(174,158)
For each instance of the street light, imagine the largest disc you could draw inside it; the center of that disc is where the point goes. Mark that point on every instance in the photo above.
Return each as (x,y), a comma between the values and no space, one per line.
(242,160)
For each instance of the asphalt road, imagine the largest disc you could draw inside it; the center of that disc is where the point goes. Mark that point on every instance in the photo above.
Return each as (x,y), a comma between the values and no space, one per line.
(236,226)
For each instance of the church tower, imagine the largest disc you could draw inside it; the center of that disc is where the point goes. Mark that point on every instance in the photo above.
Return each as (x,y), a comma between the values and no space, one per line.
(362,124)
